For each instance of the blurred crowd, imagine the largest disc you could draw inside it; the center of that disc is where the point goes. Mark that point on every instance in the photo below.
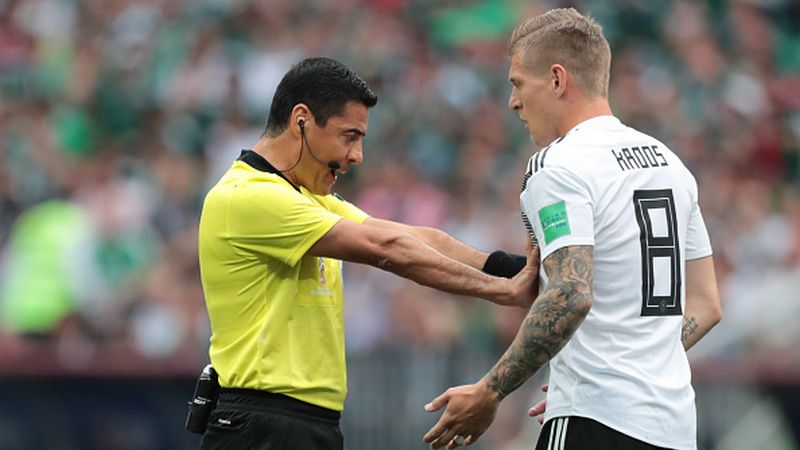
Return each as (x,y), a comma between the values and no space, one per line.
(116,116)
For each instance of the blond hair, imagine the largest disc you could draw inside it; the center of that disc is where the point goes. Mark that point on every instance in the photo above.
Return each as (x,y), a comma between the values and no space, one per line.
(565,36)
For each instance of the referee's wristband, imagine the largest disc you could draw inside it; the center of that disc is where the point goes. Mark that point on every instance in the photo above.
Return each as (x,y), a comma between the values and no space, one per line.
(502,264)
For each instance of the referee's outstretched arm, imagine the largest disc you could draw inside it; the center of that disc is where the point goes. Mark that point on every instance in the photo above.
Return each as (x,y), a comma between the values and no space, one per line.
(404,254)
(439,240)
(498,263)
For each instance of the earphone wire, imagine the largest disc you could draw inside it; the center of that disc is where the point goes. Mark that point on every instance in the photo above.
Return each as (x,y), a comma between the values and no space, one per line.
(302,142)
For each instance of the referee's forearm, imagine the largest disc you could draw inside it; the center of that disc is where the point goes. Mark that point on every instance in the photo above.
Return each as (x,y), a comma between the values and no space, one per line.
(411,258)
(451,247)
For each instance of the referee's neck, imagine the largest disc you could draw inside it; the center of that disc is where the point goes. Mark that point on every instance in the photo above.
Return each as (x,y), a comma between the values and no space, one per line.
(281,152)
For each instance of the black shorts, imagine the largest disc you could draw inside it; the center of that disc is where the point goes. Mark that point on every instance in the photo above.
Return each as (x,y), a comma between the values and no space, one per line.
(581,433)
(246,419)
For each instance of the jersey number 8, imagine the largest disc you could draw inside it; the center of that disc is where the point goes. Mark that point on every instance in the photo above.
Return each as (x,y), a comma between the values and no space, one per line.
(661,254)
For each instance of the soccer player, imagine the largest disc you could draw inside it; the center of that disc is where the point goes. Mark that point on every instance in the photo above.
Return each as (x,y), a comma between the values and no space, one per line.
(626,260)
(271,241)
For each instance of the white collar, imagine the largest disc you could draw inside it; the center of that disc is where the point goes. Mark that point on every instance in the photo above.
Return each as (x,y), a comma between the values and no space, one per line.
(596,122)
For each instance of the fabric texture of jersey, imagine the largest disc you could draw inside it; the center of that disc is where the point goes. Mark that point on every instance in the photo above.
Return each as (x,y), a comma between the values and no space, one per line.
(276,312)
(609,186)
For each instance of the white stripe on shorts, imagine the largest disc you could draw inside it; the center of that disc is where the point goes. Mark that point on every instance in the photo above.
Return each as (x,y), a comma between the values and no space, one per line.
(563,433)
(555,432)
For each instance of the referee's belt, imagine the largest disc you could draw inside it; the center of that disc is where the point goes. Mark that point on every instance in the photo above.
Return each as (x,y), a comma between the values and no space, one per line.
(257,400)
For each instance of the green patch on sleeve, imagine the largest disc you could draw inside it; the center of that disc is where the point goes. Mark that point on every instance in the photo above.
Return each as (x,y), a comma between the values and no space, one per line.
(555,222)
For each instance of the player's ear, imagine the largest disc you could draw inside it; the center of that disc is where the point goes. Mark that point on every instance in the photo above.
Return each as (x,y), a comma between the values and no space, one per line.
(558,79)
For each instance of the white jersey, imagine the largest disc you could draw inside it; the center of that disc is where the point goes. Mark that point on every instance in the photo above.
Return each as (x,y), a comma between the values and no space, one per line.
(626,194)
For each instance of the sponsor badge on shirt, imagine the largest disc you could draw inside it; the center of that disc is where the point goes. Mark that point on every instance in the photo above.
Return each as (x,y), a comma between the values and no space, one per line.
(555,222)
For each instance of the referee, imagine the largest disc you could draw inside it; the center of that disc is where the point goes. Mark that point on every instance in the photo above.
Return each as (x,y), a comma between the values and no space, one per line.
(271,241)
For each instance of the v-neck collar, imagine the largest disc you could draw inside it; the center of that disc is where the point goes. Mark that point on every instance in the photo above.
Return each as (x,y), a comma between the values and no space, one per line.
(258,162)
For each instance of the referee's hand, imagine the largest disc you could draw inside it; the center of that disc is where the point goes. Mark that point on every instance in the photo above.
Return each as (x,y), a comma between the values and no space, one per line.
(526,282)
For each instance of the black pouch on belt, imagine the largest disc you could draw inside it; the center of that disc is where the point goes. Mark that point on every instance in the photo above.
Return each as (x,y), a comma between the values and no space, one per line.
(206,394)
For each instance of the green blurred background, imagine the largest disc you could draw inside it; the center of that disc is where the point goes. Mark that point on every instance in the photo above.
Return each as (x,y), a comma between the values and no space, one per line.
(116,116)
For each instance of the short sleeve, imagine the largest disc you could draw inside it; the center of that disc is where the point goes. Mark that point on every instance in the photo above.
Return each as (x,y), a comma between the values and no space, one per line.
(277,221)
(559,208)
(337,205)
(698,245)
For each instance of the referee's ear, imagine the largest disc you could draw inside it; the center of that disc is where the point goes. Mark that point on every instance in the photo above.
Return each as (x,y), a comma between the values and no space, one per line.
(300,119)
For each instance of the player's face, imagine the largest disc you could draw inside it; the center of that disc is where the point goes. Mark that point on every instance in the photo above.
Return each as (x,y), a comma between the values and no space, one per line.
(340,140)
(531,97)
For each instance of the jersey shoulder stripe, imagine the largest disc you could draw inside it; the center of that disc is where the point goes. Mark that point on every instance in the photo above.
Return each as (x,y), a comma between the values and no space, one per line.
(529,169)
(544,155)
(536,163)
(529,227)
(547,149)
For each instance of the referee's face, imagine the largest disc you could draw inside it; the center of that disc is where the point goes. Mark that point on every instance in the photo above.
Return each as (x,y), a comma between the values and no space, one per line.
(531,98)
(340,141)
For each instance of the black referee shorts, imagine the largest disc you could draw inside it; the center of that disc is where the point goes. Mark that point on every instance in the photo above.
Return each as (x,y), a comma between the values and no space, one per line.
(246,419)
(581,433)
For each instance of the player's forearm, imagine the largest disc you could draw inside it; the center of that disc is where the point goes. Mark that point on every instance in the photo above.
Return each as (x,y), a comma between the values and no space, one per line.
(703,309)
(696,324)
(551,322)
(411,258)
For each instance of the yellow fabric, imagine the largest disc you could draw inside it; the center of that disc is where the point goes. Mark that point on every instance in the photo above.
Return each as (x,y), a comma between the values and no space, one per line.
(276,313)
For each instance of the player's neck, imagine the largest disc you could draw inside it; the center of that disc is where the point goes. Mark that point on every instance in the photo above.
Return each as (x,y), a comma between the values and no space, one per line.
(582,111)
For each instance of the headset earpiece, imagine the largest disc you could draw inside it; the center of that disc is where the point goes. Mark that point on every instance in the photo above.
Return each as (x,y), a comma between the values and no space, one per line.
(301,122)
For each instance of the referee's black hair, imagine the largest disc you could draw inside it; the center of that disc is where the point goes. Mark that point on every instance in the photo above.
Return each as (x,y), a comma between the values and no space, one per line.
(324,85)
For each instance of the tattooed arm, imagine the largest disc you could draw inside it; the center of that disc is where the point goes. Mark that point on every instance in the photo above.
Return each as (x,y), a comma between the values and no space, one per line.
(551,321)
(703,309)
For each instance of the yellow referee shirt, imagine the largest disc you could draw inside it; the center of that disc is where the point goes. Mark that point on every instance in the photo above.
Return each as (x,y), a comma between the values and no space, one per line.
(276,313)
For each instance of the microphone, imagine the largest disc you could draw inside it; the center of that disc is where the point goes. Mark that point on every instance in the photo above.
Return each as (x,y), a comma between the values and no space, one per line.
(333,165)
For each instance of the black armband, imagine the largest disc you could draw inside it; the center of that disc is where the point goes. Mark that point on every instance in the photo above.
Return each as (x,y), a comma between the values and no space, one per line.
(502,264)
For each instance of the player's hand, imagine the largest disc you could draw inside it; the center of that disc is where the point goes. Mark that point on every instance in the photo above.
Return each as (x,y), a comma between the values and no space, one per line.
(538,409)
(526,282)
(469,411)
